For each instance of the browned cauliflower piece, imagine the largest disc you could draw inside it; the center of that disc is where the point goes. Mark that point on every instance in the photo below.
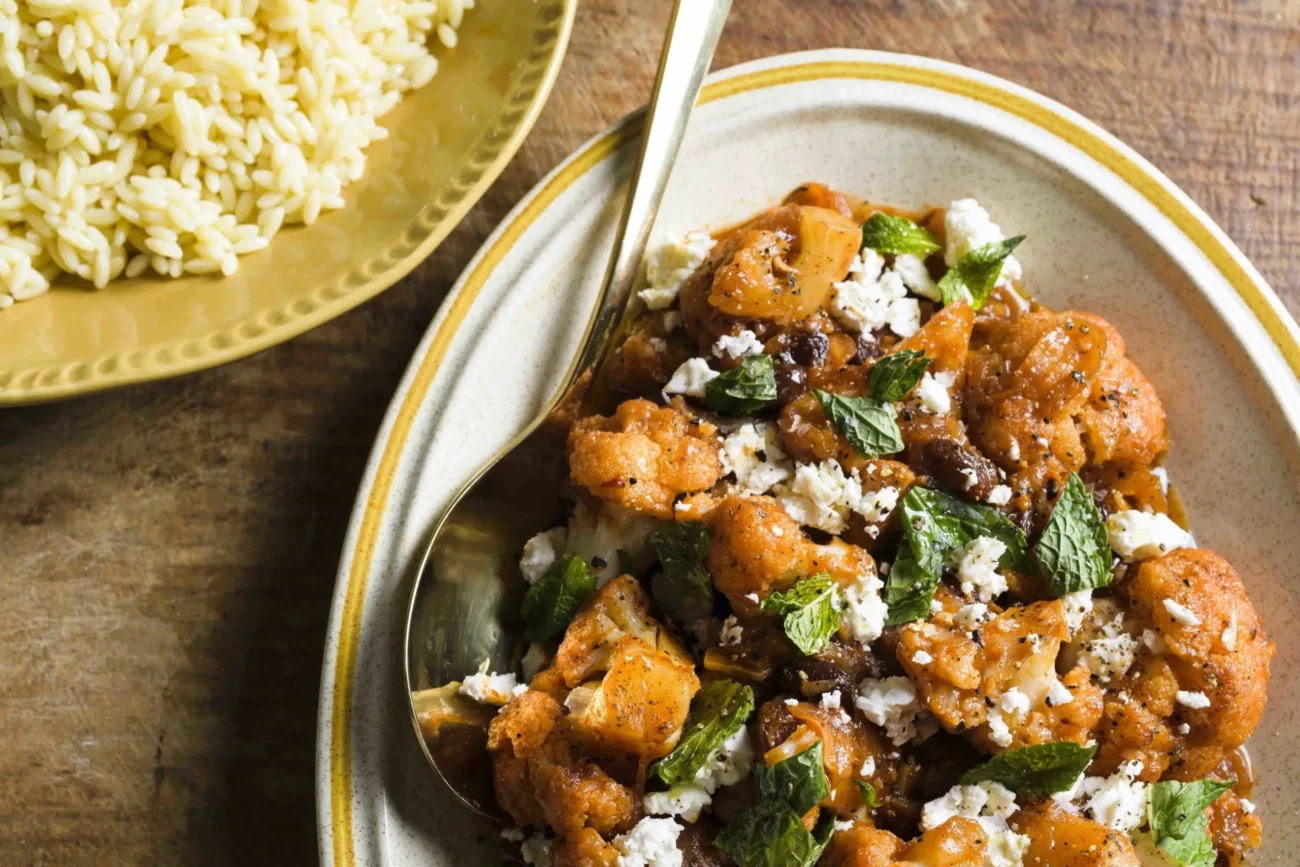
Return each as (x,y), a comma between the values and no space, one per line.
(1049,393)
(617,610)
(645,456)
(514,735)
(957,842)
(1063,839)
(966,678)
(775,270)
(639,707)
(1213,644)
(575,792)
(758,548)
(584,849)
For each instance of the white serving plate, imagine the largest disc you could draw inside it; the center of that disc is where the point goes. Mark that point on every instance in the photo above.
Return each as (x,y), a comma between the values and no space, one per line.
(1107,233)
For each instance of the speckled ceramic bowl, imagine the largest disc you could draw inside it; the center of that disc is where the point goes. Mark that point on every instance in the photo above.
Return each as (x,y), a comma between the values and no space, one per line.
(1107,233)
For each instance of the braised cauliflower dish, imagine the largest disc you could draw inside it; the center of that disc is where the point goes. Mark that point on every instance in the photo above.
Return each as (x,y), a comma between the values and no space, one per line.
(872,563)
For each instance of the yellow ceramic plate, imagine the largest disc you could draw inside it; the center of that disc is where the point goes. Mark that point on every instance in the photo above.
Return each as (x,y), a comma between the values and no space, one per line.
(447,143)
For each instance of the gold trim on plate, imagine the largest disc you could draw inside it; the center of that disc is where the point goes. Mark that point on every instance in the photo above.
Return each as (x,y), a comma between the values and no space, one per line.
(1257,297)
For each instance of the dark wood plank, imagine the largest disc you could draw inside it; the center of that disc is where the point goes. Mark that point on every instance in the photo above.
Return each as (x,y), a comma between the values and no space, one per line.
(167,551)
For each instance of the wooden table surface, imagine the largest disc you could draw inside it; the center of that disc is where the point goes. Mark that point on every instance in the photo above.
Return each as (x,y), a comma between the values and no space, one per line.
(167,551)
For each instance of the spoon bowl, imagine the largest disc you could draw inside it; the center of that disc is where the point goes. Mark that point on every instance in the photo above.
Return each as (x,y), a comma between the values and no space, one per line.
(466,596)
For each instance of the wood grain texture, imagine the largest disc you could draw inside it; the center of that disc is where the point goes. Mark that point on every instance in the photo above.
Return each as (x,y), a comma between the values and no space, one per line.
(167,551)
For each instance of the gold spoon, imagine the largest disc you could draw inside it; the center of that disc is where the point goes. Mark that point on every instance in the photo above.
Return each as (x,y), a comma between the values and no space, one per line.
(465,602)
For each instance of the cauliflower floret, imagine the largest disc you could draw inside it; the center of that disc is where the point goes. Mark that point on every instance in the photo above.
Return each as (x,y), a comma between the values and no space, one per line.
(1049,393)
(541,777)
(1190,598)
(645,456)
(619,609)
(1063,839)
(757,548)
(639,707)
(957,842)
(970,677)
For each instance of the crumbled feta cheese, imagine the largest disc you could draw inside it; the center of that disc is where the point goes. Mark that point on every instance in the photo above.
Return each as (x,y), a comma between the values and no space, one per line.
(729,764)
(687,800)
(977,568)
(598,534)
(738,345)
(831,700)
(753,453)
(1013,450)
(536,851)
(987,800)
(1138,535)
(1229,637)
(1247,807)
(514,835)
(1184,728)
(487,687)
(1162,475)
(922,658)
(932,392)
(1015,702)
(690,378)
(1181,613)
(967,227)
(864,611)
(753,597)
(1119,801)
(936,607)
(668,265)
(870,300)
(972,479)
(533,660)
(1058,694)
(1109,658)
(999,731)
(652,843)
(519,690)
(891,703)
(1078,606)
(999,496)
(1194,700)
(822,496)
(916,277)
(731,632)
(969,617)
(989,804)
(868,767)
(541,551)
(791,702)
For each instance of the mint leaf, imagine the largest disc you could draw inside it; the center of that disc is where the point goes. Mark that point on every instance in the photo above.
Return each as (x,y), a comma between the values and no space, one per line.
(746,388)
(977,272)
(886,233)
(867,424)
(681,548)
(799,781)
(1176,814)
(1044,769)
(717,712)
(1073,552)
(909,589)
(550,604)
(934,525)
(1175,807)
(868,793)
(811,612)
(770,834)
(896,374)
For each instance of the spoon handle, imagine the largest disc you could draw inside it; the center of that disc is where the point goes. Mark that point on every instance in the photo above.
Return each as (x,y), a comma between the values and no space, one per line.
(693,33)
